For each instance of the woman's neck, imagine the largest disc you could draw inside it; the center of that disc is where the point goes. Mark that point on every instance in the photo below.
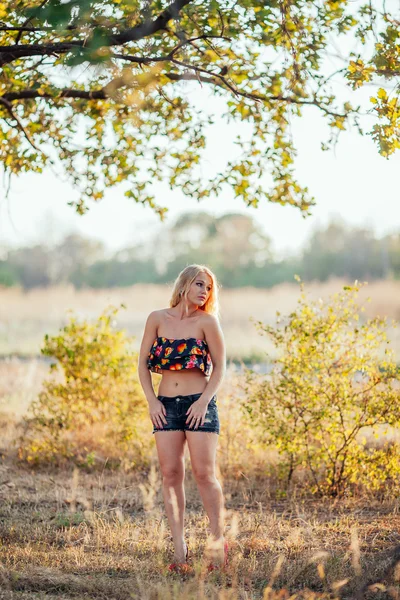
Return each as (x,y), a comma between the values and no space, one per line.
(185,312)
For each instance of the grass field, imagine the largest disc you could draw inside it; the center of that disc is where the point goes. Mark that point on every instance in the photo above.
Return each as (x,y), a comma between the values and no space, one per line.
(68,533)
(75,534)
(26,316)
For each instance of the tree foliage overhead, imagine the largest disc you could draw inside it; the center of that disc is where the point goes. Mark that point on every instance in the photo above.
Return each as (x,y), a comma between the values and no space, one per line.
(105,91)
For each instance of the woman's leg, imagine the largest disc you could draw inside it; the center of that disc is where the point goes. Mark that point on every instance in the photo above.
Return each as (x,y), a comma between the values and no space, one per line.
(202,448)
(170,449)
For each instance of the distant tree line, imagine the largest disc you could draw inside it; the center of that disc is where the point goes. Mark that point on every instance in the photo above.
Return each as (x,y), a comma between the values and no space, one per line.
(233,245)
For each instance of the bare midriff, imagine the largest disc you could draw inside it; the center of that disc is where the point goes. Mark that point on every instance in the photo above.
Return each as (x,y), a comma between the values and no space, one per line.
(185,382)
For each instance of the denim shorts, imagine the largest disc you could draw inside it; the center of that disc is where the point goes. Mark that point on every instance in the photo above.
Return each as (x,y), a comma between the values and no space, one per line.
(176,407)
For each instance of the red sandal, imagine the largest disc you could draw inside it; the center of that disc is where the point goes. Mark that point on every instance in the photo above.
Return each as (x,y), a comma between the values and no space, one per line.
(212,567)
(181,567)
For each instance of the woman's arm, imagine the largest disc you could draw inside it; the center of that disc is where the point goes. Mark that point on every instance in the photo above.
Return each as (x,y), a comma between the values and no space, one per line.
(149,335)
(216,344)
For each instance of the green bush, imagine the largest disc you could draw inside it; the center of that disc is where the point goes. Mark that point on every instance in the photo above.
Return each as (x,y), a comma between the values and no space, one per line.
(91,409)
(333,386)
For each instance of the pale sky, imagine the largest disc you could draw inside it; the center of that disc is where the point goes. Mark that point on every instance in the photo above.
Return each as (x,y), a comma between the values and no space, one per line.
(353,182)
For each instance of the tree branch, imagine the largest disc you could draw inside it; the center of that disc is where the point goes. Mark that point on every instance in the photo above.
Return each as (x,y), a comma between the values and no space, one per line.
(66,93)
(9,107)
(10,53)
(26,28)
(27,21)
(221,82)
(150,59)
(215,79)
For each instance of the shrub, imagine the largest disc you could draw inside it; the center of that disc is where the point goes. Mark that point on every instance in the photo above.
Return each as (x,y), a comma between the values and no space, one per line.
(91,408)
(333,382)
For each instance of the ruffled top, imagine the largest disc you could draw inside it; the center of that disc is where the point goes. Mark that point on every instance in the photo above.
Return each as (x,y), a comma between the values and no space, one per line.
(175,355)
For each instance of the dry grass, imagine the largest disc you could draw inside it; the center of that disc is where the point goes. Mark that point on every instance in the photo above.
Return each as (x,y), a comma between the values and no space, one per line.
(67,534)
(81,535)
(26,317)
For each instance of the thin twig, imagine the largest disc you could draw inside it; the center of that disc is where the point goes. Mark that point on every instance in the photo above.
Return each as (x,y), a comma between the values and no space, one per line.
(27,21)
(9,107)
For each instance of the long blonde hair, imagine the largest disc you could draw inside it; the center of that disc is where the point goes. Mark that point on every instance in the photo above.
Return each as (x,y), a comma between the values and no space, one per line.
(185,280)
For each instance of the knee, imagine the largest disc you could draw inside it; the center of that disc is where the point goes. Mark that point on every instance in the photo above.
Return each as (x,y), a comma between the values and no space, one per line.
(203,476)
(172,476)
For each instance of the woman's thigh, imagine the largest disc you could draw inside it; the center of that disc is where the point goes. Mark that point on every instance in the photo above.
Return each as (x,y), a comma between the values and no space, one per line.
(203,449)
(171,452)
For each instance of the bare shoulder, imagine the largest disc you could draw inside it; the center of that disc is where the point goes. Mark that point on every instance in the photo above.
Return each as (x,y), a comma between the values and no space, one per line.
(155,316)
(209,318)
(210,323)
(158,317)
(161,314)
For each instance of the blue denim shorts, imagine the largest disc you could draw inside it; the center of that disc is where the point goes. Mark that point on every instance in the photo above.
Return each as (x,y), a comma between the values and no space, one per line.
(176,407)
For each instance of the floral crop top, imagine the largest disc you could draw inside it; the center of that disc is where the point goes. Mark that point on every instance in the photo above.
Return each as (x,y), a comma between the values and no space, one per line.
(174,355)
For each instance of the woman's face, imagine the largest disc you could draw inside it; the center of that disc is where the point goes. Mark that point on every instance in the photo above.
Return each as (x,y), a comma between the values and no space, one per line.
(200,289)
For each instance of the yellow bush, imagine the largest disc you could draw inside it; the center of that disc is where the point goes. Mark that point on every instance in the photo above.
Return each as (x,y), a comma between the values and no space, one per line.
(333,381)
(91,409)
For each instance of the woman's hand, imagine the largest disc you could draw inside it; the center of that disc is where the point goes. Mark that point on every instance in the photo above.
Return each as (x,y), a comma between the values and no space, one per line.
(157,412)
(196,413)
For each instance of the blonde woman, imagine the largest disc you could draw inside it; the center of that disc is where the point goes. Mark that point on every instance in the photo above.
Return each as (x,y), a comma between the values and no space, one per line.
(184,343)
